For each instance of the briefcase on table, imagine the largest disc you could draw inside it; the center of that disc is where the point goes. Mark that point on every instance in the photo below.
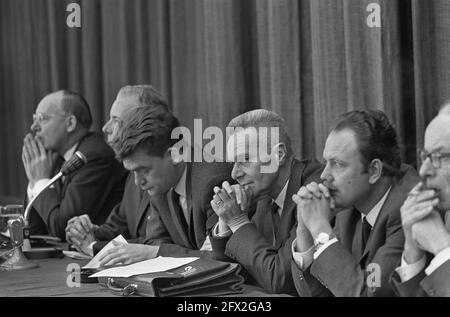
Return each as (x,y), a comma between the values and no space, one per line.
(202,277)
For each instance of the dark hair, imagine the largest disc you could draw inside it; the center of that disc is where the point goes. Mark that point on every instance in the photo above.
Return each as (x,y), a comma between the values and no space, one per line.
(148,129)
(76,105)
(375,136)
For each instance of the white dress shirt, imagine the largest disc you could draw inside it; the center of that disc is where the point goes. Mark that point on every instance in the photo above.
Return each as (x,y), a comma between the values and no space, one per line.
(408,271)
(34,190)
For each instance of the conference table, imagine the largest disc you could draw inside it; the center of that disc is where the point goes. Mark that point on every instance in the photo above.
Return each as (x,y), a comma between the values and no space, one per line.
(53,278)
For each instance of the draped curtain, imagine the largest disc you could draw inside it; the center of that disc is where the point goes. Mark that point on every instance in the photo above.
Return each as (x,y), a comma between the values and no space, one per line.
(308,60)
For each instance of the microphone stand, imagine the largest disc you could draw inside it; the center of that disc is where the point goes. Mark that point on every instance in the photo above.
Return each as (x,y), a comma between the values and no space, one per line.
(74,163)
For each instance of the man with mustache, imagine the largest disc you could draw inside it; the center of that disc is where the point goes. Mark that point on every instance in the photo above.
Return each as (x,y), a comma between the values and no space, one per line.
(425,264)
(364,182)
(130,216)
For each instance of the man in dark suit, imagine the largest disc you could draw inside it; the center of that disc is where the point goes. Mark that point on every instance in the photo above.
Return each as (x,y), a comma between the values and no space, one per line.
(179,190)
(365,182)
(260,243)
(425,264)
(61,127)
(129,217)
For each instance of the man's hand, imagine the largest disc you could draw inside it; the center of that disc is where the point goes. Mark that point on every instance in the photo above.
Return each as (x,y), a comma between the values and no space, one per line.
(431,234)
(225,203)
(80,232)
(313,208)
(37,161)
(128,253)
(418,205)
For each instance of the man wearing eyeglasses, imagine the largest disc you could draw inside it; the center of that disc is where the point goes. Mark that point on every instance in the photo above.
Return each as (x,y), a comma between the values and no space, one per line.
(60,128)
(424,214)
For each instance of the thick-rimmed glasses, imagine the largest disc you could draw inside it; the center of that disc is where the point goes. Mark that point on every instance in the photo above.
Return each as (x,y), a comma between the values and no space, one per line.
(436,158)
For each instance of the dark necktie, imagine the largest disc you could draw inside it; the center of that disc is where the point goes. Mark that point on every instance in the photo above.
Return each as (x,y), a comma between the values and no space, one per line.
(365,232)
(276,220)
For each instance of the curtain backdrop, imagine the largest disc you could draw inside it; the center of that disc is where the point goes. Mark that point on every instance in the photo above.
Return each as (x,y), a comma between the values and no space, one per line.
(308,60)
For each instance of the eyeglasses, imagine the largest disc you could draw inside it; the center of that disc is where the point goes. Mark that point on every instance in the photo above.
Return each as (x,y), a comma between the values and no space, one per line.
(435,157)
(41,117)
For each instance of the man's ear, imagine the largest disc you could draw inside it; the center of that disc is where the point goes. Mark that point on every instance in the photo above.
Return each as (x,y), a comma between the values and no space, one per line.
(375,171)
(71,123)
(280,153)
(175,155)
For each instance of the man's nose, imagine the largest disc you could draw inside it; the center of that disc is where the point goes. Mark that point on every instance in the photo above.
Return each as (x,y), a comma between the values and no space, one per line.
(426,169)
(326,176)
(35,127)
(236,172)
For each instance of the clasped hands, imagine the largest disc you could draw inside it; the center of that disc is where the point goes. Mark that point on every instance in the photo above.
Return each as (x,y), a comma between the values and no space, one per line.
(423,226)
(314,206)
(38,162)
(231,204)
(80,232)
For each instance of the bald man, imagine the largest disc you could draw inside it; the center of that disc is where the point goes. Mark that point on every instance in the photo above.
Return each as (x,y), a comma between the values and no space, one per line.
(425,264)
(60,128)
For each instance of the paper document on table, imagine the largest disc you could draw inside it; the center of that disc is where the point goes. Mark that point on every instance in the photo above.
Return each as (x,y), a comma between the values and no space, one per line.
(94,263)
(159,264)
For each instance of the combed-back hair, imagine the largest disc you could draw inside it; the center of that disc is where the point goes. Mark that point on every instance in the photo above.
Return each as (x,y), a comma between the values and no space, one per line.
(375,136)
(263,118)
(145,95)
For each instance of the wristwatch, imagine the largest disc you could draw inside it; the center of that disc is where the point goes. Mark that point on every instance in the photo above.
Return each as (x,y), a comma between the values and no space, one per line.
(322,239)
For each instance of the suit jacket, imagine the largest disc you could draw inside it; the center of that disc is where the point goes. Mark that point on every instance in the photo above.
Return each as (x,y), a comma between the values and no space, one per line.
(341,269)
(252,245)
(94,189)
(179,237)
(436,284)
(128,218)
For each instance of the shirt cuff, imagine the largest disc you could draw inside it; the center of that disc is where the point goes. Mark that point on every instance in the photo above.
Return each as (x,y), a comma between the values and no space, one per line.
(238,222)
(91,248)
(408,271)
(33,191)
(323,247)
(302,259)
(217,234)
(438,260)
(206,245)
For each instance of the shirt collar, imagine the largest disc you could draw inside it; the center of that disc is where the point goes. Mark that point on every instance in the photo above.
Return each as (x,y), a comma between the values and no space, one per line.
(180,189)
(282,196)
(375,211)
(70,152)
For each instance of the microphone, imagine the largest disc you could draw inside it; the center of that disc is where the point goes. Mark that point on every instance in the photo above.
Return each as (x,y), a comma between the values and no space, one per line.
(73,164)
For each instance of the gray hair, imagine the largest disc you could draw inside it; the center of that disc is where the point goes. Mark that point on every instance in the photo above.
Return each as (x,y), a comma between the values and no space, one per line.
(263,118)
(146,95)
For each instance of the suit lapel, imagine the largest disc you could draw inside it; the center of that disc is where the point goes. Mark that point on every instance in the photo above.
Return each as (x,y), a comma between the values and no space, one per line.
(141,212)
(176,213)
(378,231)
(289,206)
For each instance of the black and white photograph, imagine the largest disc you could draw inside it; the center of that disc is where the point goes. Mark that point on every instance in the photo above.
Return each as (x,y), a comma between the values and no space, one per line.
(225,154)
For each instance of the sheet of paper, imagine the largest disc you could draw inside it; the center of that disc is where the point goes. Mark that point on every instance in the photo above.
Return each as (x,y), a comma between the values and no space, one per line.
(158,264)
(94,263)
